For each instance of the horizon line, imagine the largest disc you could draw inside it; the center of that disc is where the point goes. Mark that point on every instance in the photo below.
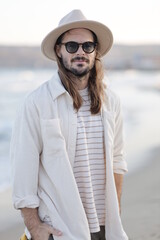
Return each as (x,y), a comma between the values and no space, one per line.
(114,44)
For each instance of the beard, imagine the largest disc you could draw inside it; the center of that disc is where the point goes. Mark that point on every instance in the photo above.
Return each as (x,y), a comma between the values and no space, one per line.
(78,71)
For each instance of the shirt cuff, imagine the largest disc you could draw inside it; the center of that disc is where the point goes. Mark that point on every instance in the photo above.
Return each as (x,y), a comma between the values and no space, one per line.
(120,167)
(30,201)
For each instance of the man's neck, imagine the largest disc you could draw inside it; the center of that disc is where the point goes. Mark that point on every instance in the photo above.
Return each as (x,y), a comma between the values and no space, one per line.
(82,83)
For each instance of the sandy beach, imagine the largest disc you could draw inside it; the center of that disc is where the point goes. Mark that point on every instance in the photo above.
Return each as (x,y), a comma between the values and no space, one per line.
(140,204)
(11,225)
(141,200)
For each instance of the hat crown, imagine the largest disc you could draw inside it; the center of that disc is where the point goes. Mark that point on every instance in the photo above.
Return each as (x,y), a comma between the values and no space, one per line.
(74,16)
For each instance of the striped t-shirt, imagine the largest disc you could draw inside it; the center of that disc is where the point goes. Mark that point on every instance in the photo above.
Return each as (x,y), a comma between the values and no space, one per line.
(89,165)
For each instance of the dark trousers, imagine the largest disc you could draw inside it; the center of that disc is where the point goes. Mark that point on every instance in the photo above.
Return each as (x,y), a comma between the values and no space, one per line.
(99,235)
(94,236)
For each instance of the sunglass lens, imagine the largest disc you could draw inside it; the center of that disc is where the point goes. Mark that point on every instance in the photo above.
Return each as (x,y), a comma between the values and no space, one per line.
(72,47)
(88,47)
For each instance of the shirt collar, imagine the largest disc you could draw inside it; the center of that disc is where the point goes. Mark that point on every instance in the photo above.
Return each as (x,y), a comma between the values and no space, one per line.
(56,87)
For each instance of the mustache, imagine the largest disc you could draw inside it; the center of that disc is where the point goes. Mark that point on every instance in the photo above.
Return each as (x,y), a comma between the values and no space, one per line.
(79,59)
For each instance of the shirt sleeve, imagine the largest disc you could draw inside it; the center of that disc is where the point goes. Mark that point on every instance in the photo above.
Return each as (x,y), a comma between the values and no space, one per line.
(25,152)
(119,163)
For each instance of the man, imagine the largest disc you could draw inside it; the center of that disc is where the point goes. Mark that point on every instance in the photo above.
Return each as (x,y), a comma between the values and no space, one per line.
(67,146)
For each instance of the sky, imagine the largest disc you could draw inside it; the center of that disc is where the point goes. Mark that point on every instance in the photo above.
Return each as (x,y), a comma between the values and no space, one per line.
(27,22)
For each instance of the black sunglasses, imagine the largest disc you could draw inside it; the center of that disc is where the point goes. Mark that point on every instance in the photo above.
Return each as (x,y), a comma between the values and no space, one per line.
(72,47)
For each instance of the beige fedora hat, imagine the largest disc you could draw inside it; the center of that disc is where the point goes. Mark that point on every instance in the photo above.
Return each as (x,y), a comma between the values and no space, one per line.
(76,19)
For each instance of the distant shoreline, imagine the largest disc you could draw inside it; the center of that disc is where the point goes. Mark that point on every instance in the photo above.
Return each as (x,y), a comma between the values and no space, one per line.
(49,68)
(120,57)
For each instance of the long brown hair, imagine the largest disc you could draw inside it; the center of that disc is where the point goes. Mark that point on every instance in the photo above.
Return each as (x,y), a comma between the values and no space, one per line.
(96,85)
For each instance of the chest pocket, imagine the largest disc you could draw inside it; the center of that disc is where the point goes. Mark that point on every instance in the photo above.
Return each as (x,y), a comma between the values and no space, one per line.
(53,140)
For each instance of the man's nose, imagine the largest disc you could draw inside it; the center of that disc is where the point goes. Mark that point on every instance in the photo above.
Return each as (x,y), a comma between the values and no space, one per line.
(80,50)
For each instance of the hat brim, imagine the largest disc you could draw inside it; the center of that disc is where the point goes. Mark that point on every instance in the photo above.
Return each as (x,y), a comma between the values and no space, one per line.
(103,33)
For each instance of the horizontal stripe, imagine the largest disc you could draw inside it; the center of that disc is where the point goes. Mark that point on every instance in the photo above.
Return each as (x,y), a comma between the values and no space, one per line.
(99,187)
(89,139)
(89,132)
(88,202)
(93,163)
(87,121)
(95,158)
(92,149)
(90,126)
(98,192)
(94,176)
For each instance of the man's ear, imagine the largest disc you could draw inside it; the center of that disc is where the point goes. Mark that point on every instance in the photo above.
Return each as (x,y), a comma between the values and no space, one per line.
(58,52)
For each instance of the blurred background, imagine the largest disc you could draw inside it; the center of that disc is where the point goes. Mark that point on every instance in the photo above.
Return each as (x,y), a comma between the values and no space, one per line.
(132,69)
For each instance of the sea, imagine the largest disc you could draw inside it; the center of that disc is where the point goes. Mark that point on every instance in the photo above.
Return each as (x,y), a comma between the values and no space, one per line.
(139,92)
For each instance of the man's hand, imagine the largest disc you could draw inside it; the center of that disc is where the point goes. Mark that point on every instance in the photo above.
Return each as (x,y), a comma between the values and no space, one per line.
(43,231)
(37,229)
